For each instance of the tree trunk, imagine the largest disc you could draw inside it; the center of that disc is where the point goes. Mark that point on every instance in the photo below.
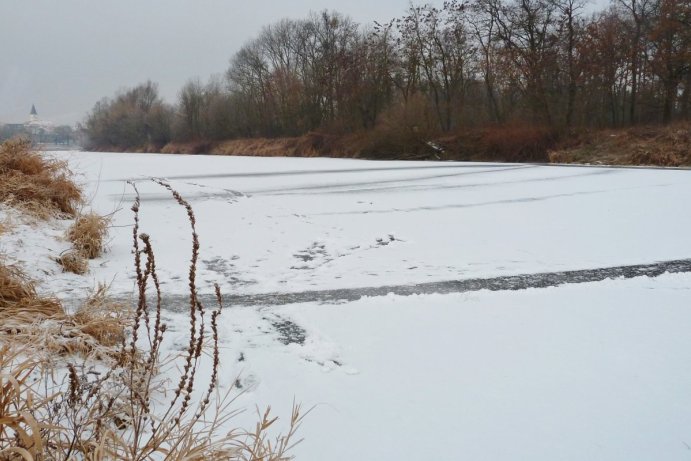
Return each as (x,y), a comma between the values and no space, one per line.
(634,83)
(670,96)
(686,98)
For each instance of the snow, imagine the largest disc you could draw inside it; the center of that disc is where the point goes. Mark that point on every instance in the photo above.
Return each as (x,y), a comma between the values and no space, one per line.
(597,371)
(291,224)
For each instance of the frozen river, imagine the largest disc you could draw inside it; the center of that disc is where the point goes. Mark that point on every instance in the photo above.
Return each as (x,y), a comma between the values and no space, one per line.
(426,310)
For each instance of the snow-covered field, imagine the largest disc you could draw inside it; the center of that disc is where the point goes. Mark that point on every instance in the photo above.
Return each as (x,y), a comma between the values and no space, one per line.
(596,371)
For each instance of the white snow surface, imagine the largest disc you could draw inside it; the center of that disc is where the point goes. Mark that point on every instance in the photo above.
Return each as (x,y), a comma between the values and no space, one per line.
(597,371)
(294,224)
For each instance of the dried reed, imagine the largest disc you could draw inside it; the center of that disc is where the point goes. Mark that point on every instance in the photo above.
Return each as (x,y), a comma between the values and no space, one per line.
(35,183)
(88,234)
(73,261)
(19,301)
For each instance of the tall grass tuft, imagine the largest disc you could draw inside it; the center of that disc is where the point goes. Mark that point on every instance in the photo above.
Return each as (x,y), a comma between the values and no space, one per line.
(88,234)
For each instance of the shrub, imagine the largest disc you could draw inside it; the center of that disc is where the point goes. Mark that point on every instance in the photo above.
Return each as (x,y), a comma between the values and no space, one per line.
(500,143)
(517,143)
(402,131)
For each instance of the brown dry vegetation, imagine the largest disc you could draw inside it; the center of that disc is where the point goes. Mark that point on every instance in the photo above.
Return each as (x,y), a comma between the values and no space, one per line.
(35,183)
(309,145)
(19,299)
(642,145)
(73,261)
(508,143)
(501,143)
(88,234)
(27,317)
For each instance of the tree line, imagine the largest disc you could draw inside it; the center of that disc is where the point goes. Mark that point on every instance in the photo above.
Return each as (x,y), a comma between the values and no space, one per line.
(434,70)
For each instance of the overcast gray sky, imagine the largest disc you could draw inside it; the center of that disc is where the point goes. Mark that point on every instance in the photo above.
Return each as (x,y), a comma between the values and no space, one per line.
(64,55)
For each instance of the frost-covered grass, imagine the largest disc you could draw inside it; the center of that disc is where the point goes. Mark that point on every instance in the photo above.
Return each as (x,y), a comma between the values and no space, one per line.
(591,371)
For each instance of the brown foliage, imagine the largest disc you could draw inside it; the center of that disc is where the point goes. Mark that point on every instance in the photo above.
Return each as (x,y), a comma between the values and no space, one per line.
(310,145)
(36,183)
(517,144)
(192,147)
(502,143)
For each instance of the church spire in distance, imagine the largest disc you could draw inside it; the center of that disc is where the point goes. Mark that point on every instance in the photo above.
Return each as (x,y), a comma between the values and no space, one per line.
(33,115)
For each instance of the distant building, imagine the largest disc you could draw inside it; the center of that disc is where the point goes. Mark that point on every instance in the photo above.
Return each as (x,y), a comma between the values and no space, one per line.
(33,115)
(39,131)
(38,128)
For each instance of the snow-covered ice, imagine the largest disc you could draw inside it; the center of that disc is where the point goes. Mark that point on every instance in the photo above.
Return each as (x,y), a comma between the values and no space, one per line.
(597,371)
(292,224)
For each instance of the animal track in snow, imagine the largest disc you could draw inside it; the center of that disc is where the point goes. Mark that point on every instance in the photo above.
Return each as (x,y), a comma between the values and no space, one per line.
(317,254)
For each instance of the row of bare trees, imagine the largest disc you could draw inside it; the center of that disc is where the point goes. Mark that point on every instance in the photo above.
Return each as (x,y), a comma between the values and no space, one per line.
(439,69)
(134,118)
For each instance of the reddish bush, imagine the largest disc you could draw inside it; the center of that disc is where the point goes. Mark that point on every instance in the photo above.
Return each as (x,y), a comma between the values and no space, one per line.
(517,143)
(506,143)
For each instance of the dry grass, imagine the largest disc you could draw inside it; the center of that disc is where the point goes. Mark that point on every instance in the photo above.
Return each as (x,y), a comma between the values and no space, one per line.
(88,234)
(265,147)
(21,434)
(28,318)
(641,145)
(310,145)
(19,301)
(102,318)
(73,261)
(32,182)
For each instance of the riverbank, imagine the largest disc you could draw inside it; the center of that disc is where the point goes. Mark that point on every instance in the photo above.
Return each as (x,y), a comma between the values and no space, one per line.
(642,145)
